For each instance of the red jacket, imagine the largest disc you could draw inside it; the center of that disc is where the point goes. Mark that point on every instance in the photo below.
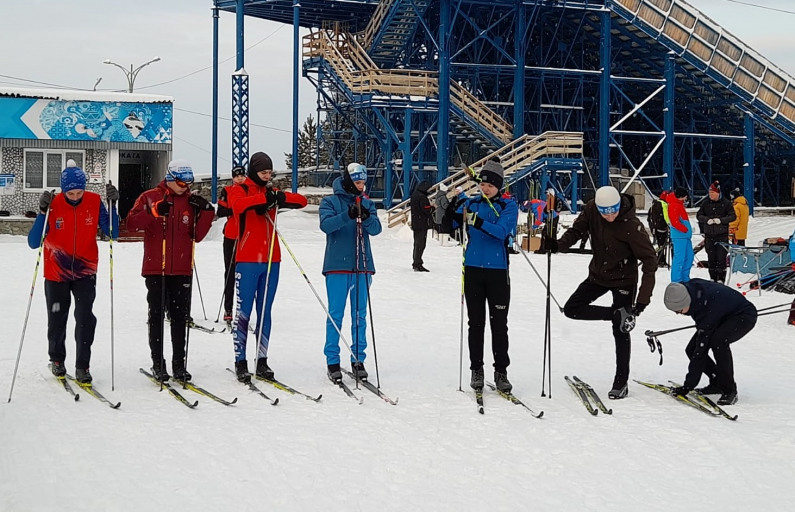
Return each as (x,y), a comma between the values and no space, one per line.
(178,227)
(225,210)
(253,245)
(70,247)
(676,212)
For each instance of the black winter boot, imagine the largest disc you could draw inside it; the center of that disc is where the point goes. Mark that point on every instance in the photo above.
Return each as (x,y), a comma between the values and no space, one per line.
(711,389)
(334,373)
(58,369)
(358,371)
(501,381)
(241,370)
(477,380)
(159,371)
(83,376)
(729,398)
(263,370)
(180,372)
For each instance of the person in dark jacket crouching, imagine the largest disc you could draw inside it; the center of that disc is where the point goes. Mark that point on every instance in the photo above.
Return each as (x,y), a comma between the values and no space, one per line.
(714,216)
(489,220)
(421,222)
(722,317)
(618,241)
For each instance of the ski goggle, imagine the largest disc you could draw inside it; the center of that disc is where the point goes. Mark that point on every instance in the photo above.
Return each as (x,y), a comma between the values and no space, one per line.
(183,184)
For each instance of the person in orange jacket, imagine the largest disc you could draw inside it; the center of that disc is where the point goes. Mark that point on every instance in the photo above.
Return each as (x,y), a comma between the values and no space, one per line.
(254,204)
(70,263)
(230,241)
(172,219)
(738,229)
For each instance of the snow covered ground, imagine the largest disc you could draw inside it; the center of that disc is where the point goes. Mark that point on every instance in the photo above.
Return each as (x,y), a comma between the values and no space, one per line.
(431,452)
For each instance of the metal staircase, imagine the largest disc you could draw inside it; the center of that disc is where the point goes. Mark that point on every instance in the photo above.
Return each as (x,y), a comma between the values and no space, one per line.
(516,157)
(391,28)
(712,50)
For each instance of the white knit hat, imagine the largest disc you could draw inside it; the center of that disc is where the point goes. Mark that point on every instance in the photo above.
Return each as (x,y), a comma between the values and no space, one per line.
(608,200)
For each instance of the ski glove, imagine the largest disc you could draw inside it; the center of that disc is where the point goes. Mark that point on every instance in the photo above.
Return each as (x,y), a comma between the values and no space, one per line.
(199,203)
(111,192)
(353,212)
(474,221)
(160,208)
(680,391)
(638,309)
(550,244)
(44,201)
(277,197)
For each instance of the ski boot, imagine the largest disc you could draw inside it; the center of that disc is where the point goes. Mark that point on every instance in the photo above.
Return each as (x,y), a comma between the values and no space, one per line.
(477,380)
(263,370)
(58,369)
(334,373)
(83,376)
(728,398)
(159,371)
(180,372)
(711,389)
(241,370)
(625,319)
(620,390)
(501,381)
(359,373)
(228,318)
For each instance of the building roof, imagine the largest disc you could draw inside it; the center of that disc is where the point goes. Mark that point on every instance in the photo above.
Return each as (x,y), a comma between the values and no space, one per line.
(74,95)
(312,13)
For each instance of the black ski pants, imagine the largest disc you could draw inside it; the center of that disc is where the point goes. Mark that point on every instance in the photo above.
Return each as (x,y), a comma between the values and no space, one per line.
(482,285)
(661,238)
(579,307)
(420,241)
(178,290)
(229,268)
(721,370)
(59,300)
(716,256)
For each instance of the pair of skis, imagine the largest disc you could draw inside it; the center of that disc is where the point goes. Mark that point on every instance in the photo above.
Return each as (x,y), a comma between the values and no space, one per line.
(190,386)
(87,387)
(694,399)
(366,385)
(593,404)
(506,395)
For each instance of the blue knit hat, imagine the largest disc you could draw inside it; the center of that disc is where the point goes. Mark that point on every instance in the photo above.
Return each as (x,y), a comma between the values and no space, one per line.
(358,172)
(73,177)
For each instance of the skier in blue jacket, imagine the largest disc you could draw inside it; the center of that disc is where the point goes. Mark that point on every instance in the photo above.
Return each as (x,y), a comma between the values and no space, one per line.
(490,220)
(349,219)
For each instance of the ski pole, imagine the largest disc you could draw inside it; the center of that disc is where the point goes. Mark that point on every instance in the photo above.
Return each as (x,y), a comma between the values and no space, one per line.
(261,317)
(110,260)
(30,300)
(369,302)
(463,274)
(312,287)
(198,284)
(540,278)
(547,324)
(190,293)
(162,361)
(773,307)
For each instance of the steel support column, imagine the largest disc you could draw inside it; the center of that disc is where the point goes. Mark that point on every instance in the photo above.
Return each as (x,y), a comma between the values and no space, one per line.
(214,149)
(296,77)
(443,127)
(668,121)
(520,51)
(749,154)
(604,100)
(405,148)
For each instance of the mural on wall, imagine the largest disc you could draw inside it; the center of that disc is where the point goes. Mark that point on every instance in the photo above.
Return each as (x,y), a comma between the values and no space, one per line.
(28,118)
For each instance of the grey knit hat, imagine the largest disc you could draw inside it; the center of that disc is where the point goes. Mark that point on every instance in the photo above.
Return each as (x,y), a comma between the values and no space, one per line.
(676,297)
(492,172)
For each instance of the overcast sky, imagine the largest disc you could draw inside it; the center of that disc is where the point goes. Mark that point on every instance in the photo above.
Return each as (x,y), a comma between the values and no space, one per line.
(64,42)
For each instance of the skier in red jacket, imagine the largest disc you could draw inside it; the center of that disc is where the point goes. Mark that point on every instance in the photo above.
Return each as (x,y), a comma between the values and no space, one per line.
(172,219)
(230,241)
(70,263)
(254,204)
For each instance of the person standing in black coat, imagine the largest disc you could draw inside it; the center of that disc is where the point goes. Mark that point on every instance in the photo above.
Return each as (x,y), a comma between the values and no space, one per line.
(722,317)
(421,222)
(714,216)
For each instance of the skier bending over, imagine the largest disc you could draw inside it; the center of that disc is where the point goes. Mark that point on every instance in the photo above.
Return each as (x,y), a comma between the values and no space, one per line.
(70,263)
(349,219)
(618,240)
(722,317)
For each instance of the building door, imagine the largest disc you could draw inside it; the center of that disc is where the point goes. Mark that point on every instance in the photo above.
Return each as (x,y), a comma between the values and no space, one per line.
(131,185)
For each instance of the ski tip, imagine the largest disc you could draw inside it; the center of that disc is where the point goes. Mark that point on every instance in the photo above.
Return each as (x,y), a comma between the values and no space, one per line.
(481,410)
(77,397)
(233,402)
(275,401)
(195,404)
(609,411)
(118,404)
(540,415)
(361,400)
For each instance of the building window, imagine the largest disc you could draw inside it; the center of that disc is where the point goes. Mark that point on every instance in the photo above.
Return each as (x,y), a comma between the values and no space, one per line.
(43,167)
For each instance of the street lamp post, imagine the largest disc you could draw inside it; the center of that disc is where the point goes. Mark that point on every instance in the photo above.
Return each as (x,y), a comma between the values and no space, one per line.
(131,74)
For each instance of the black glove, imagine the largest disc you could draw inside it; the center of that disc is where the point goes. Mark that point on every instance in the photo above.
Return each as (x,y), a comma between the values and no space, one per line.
(680,391)
(44,201)
(638,309)
(365,213)
(474,221)
(160,208)
(354,213)
(199,203)
(550,244)
(275,197)
(111,192)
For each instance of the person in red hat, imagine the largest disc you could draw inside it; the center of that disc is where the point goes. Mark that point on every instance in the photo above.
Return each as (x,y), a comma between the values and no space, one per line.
(230,241)
(715,215)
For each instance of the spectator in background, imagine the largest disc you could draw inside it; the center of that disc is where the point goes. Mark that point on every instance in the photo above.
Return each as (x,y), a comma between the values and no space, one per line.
(738,229)
(421,222)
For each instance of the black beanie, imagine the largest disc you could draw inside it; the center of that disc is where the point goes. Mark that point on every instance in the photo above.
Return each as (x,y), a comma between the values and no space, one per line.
(493,173)
(680,192)
(259,162)
(238,171)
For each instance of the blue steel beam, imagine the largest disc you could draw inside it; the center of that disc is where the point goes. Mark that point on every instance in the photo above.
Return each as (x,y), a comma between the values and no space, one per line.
(214,153)
(296,78)
(668,114)
(748,166)
(604,100)
(520,51)
(443,127)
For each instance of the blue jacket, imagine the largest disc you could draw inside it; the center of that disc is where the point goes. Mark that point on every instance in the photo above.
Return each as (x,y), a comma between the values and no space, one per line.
(340,232)
(486,247)
(710,305)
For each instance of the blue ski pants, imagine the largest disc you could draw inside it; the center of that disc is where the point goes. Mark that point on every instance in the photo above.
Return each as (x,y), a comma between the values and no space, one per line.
(339,287)
(250,283)
(682,260)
